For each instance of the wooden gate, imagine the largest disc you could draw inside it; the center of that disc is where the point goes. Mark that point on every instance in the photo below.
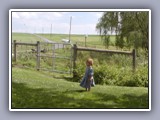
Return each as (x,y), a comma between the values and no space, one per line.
(55,57)
(49,56)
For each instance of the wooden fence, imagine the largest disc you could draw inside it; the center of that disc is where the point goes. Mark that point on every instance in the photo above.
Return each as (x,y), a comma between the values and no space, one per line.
(75,49)
(132,53)
(40,54)
(37,45)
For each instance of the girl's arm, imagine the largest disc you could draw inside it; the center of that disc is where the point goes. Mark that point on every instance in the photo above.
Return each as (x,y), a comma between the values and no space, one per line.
(90,76)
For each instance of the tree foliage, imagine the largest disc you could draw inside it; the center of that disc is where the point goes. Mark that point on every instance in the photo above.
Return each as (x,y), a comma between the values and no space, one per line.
(131,28)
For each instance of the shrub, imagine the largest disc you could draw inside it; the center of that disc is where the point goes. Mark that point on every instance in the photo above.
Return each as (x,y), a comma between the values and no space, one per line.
(78,72)
(100,75)
(112,75)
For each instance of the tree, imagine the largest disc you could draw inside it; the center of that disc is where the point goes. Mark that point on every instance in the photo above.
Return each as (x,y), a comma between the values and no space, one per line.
(130,28)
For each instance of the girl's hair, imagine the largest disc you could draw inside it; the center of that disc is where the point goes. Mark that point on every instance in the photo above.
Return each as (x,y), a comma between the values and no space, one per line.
(90,61)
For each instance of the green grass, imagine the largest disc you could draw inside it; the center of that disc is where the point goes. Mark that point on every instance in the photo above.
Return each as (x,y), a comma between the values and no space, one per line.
(33,89)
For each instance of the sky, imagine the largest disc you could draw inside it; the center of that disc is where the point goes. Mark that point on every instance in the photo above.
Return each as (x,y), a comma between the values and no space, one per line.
(55,22)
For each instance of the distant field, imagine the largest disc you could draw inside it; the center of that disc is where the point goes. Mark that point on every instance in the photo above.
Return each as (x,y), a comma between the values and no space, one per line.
(24,37)
(91,41)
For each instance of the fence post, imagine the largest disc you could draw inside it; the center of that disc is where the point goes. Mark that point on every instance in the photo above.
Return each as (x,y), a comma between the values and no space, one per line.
(134,59)
(15,46)
(38,55)
(74,59)
(85,40)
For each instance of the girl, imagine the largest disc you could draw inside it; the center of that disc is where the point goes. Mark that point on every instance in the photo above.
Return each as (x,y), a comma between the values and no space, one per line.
(88,79)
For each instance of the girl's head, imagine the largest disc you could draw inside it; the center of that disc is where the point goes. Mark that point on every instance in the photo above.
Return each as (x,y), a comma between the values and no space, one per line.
(89,62)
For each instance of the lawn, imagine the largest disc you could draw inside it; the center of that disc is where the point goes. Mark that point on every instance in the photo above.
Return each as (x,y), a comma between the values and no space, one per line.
(37,89)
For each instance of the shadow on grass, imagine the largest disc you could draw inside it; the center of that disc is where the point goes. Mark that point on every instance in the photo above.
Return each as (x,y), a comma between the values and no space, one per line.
(30,98)
(132,101)
(80,91)
(72,79)
(25,97)
(127,101)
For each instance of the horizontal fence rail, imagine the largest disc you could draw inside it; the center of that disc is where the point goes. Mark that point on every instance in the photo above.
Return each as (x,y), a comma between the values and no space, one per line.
(27,44)
(131,53)
(104,51)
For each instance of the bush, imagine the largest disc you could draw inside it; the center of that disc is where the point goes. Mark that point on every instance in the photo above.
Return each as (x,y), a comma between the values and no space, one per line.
(137,79)
(111,69)
(100,75)
(112,75)
(78,73)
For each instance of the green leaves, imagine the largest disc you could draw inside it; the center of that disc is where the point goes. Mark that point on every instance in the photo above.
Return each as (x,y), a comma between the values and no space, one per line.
(124,24)
(114,69)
